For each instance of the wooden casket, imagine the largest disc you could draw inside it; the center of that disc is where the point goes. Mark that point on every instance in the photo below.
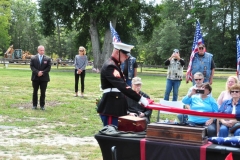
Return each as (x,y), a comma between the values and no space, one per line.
(176,133)
(130,123)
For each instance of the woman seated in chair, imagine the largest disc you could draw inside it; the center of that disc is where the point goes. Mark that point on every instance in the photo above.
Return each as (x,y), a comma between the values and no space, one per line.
(230,106)
(203,103)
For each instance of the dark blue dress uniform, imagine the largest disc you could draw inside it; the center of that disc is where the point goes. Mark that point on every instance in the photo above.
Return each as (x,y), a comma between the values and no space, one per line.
(113,102)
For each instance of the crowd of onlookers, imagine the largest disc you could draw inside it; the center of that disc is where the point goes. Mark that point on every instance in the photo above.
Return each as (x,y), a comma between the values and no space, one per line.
(199,98)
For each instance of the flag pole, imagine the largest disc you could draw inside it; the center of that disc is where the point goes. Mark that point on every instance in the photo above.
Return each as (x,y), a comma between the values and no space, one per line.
(197,40)
(238,56)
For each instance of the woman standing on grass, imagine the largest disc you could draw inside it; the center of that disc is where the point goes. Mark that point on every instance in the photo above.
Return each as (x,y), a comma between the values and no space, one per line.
(80,63)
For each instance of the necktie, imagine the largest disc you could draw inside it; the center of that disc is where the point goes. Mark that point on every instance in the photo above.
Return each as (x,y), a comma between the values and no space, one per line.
(40,58)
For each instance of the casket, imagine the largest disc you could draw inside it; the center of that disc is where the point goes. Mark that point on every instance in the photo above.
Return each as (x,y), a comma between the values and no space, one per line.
(176,133)
(131,123)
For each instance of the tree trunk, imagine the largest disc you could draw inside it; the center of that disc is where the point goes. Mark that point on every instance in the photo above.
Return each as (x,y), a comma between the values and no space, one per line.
(95,43)
(107,45)
(59,39)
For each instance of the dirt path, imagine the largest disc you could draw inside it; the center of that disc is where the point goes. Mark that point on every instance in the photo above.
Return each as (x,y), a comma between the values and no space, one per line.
(21,144)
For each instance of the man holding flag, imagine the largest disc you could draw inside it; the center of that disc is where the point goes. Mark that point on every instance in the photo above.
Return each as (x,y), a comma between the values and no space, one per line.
(200,60)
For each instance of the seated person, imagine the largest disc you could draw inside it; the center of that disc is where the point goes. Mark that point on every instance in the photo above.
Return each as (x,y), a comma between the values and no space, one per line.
(202,103)
(225,95)
(134,108)
(230,106)
(198,78)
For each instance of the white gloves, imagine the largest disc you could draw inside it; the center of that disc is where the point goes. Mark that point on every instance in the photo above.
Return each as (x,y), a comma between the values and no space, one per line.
(144,101)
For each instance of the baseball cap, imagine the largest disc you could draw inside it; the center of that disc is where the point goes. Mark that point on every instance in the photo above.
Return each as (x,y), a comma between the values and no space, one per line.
(136,80)
(175,50)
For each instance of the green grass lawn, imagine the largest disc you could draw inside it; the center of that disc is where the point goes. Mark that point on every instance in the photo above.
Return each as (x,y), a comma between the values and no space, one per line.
(78,114)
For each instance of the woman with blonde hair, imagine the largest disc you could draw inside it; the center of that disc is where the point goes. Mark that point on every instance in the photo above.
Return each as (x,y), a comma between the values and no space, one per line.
(225,95)
(230,106)
(80,63)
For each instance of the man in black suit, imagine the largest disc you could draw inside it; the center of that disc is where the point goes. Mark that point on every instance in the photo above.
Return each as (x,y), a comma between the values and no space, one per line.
(40,66)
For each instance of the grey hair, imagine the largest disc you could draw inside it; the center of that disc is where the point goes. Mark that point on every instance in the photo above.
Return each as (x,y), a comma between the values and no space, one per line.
(199,74)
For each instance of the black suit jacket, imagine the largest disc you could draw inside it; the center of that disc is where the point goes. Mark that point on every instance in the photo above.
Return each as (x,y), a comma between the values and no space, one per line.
(45,66)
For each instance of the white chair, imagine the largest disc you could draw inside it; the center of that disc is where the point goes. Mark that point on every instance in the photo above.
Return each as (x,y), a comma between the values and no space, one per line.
(177,104)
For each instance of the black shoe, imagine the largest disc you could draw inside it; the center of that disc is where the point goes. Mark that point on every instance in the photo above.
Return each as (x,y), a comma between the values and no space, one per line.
(42,108)
(34,107)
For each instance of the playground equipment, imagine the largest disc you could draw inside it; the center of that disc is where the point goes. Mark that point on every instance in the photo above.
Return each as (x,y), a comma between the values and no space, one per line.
(17,54)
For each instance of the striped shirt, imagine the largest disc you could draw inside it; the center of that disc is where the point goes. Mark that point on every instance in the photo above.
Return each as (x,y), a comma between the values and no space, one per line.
(80,62)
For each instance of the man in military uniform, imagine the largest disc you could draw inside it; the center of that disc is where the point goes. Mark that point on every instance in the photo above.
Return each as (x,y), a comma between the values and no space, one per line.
(113,103)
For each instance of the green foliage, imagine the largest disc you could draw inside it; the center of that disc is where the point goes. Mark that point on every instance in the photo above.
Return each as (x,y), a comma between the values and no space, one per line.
(24,29)
(169,39)
(5,14)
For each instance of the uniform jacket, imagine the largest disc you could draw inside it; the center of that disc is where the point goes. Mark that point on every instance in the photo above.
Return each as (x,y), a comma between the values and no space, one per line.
(203,65)
(135,107)
(114,103)
(45,66)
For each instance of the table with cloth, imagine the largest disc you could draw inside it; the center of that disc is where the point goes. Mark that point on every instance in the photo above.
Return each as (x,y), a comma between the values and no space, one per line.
(131,148)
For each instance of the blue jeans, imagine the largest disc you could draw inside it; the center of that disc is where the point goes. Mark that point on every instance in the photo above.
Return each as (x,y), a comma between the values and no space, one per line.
(224,131)
(172,84)
(211,129)
(182,118)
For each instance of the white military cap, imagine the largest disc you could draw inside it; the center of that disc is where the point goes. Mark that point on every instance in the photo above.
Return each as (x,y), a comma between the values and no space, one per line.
(125,48)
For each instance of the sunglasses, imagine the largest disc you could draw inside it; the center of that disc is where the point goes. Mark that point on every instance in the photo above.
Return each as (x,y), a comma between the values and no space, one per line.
(234,91)
(197,79)
(81,50)
(200,48)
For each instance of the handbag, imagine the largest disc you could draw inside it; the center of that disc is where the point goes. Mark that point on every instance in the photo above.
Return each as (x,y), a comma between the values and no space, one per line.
(234,127)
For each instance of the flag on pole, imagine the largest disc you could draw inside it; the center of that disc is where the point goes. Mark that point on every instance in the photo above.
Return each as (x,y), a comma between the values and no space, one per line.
(115,35)
(196,41)
(238,57)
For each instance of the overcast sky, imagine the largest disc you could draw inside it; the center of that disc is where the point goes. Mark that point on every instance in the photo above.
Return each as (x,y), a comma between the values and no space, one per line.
(156,1)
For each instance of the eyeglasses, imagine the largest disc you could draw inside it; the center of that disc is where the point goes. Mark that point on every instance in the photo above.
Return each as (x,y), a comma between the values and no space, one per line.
(234,91)
(197,79)
(81,50)
(200,48)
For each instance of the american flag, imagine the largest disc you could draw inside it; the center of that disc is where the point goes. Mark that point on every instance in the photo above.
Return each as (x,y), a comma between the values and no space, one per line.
(238,57)
(115,35)
(197,40)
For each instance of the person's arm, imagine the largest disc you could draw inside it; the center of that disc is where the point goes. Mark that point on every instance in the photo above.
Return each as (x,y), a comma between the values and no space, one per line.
(32,66)
(167,62)
(48,68)
(220,99)
(187,99)
(182,62)
(135,69)
(135,72)
(213,70)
